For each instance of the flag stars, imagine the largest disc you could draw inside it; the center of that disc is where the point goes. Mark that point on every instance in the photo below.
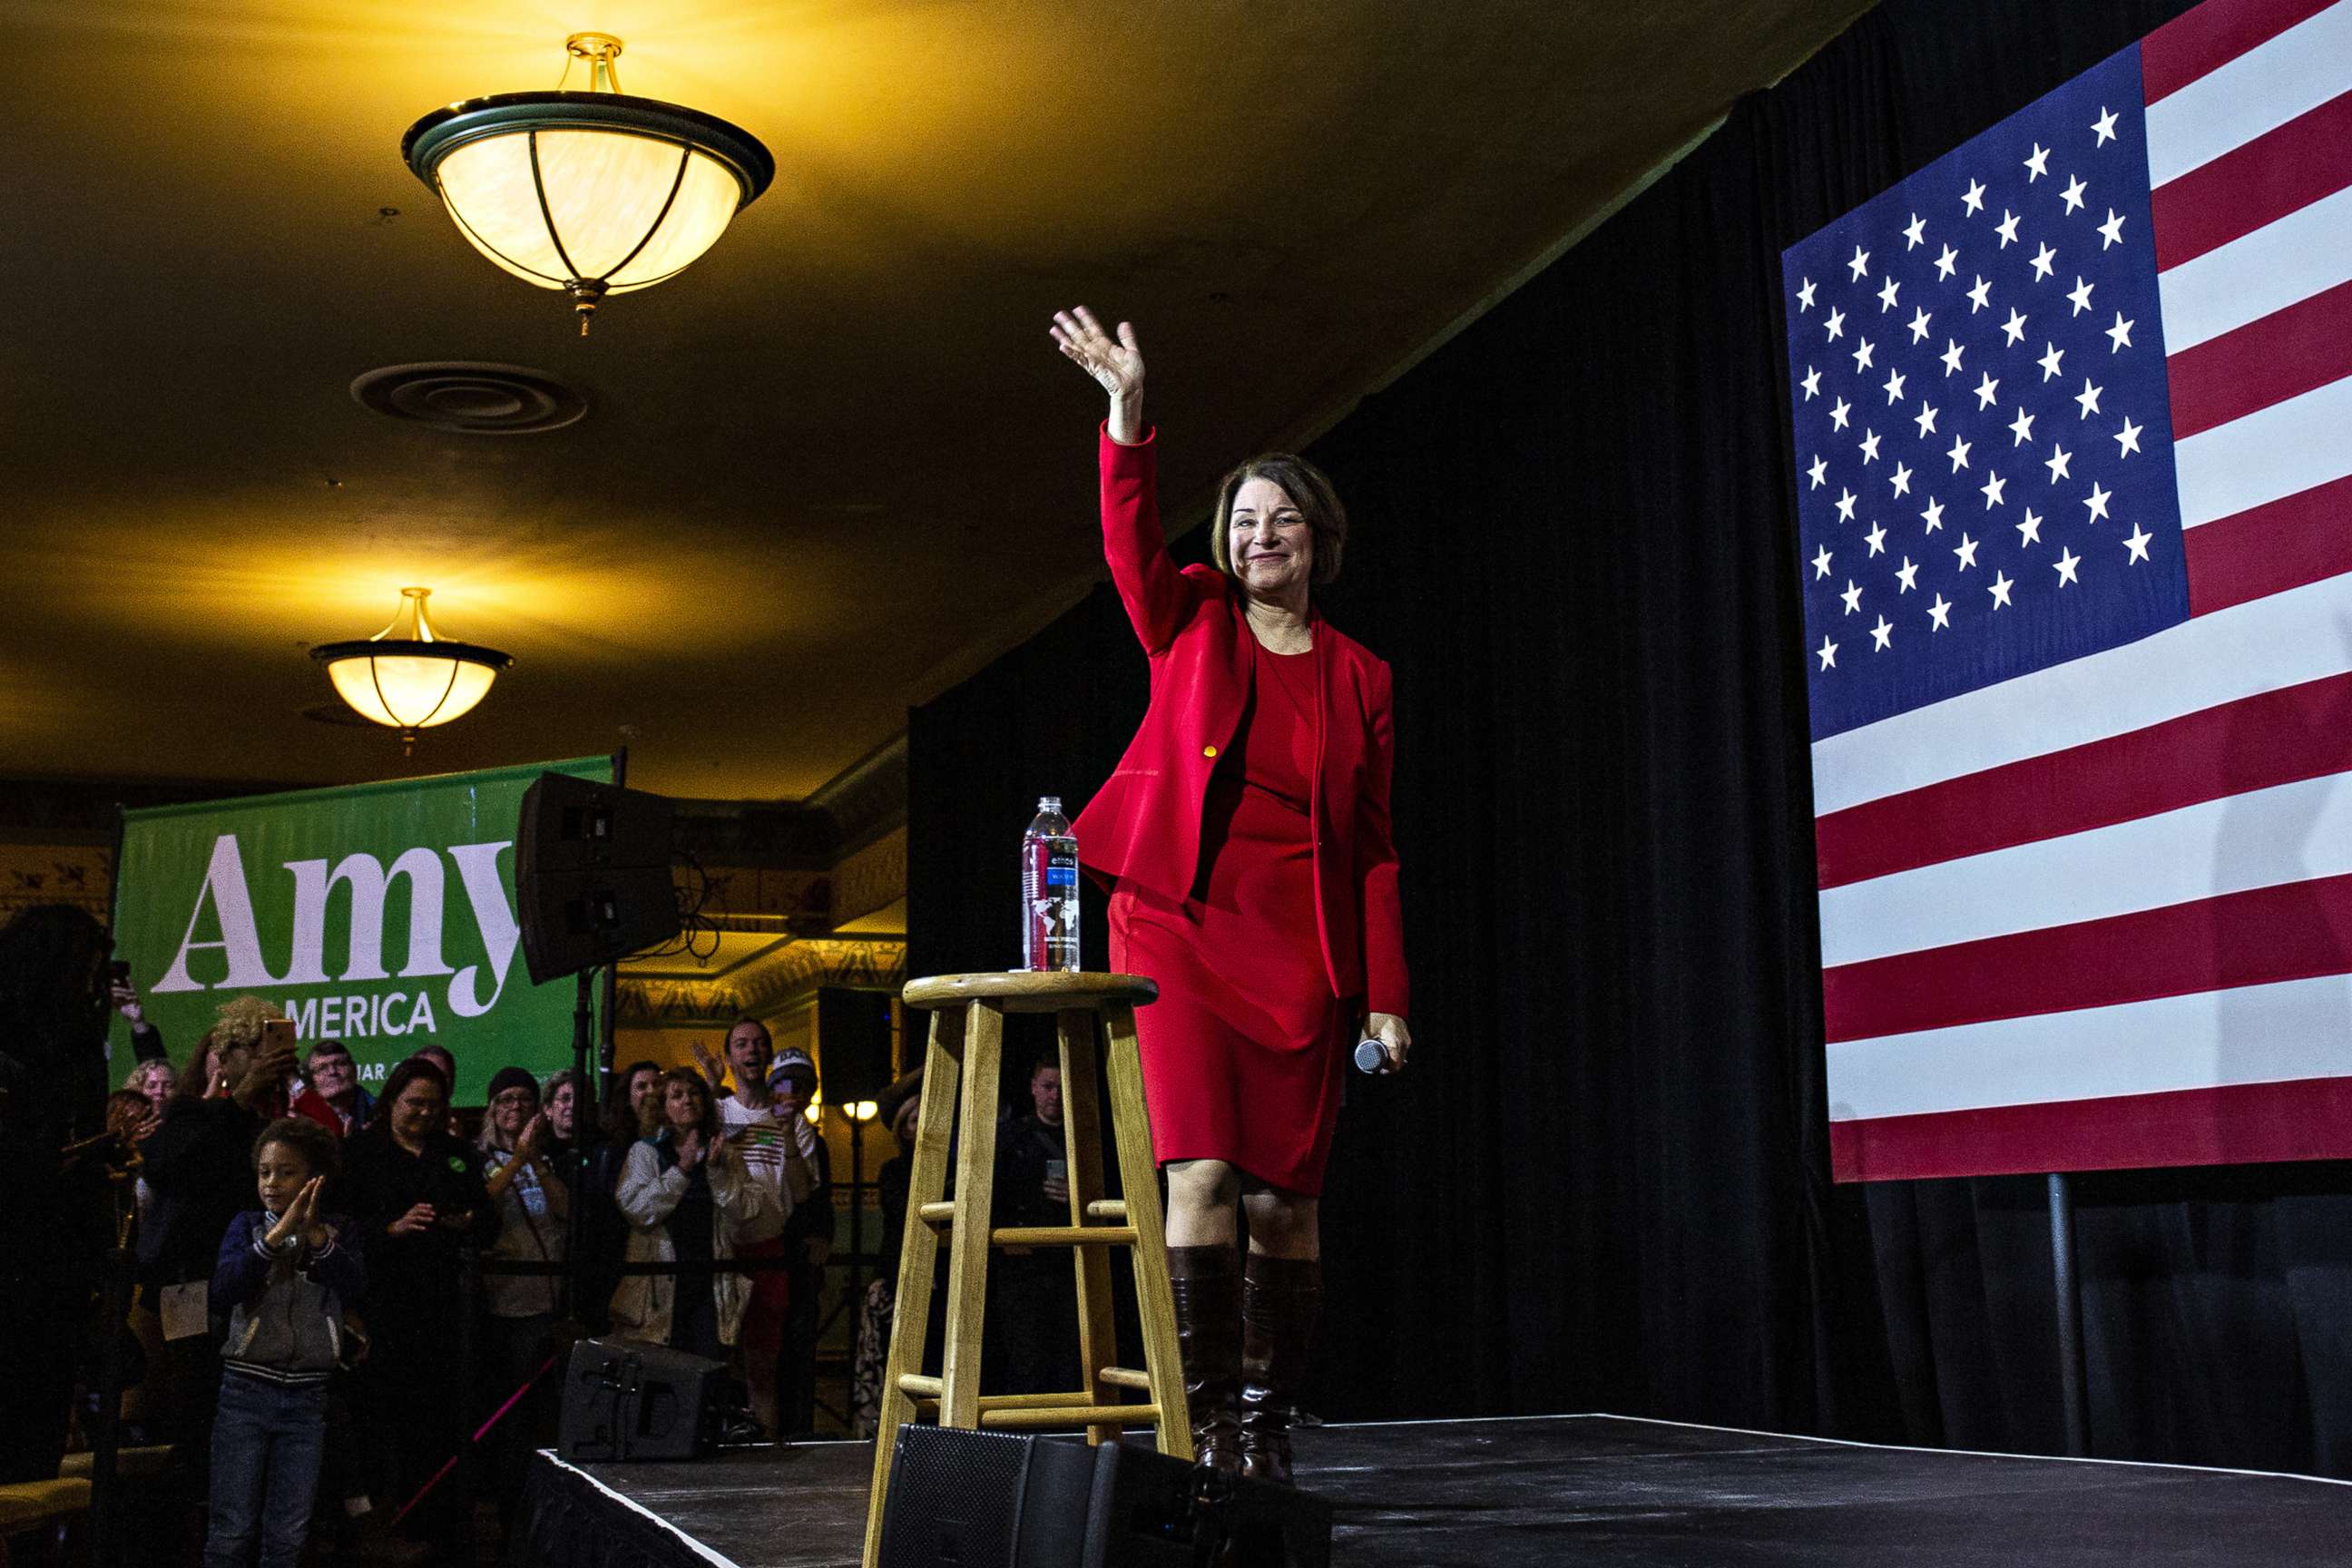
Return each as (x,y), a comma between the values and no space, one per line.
(2029,532)
(1853,597)
(2000,585)
(2088,398)
(1914,233)
(2021,427)
(1958,454)
(2081,294)
(1838,413)
(2007,228)
(1835,322)
(2065,563)
(1987,391)
(2045,261)
(1894,386)
(1919,325)
(1992,488)
(1886,293)
(1846,499)
(2104,127)
(1827,652)
(2110,233)
(1876,538)
(1948,263)
(2120,334)
(1902,479)
(1805,297)
(1881,634)
(2052,357)
(2056,462)
(2127,438)
(1862,355)
(1819,473)
(1908,575)
(1811,384)
(1973,198)
(1926,419)
(2014,326)
(1821,563)
(2037,165)
(1934,515)
(2098,501)
(2073,194)
(1966,552)
(1980,297)
(2136,542)
(1951,357)
(1869,447)
(1860,264)
(1940,612)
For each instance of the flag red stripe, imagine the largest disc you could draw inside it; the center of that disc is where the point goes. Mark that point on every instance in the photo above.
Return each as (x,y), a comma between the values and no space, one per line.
(2303,1118)
(2283,354)
(2211,36)
(2270,548)
(2272,738)
(2260,937)
(2281,171)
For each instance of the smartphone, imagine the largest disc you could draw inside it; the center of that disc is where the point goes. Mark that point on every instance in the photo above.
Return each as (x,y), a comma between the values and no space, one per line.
(278,1033)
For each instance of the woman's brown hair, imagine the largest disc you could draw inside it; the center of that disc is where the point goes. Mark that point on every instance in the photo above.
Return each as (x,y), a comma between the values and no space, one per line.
(708,1121)
(1309,489)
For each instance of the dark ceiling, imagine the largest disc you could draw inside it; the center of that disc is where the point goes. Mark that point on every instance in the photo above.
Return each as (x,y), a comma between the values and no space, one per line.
(827,470)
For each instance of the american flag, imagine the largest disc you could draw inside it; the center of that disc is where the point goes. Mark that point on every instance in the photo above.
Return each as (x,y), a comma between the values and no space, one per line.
(2073,410)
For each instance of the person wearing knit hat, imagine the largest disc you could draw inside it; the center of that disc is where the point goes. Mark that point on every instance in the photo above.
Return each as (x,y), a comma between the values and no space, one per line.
(534,1212)
(807,1240)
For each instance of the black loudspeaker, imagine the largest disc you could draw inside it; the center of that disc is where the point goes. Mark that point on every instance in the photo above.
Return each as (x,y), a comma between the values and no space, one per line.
(592,875)
(997,1500)
(853,1042)
(622,1400)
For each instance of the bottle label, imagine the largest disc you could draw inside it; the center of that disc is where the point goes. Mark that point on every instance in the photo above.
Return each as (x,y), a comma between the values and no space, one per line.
(1061,874)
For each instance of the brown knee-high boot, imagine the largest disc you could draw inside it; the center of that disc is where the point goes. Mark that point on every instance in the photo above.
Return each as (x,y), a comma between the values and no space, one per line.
(1206,1283)
(1281,1298)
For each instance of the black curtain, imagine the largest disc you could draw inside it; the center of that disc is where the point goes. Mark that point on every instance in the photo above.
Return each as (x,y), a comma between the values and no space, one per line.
(1603,1185)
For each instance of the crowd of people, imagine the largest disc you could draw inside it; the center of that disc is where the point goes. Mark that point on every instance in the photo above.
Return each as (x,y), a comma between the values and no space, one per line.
(337,1293)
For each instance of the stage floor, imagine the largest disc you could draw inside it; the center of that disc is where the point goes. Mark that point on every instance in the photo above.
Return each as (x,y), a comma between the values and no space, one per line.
(1548,1490)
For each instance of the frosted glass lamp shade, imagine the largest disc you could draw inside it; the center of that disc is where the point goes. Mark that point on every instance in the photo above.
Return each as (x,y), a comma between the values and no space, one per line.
(406,679)
(590,193)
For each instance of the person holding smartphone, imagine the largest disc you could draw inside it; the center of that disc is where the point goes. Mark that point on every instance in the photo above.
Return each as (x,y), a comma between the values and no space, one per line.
(1034,1322)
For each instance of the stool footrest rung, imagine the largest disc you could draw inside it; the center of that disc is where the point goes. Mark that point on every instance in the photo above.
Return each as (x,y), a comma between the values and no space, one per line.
(1063,1236)
(1127,1377)
(1109,1211)
(938,1213)
(1048,1417)
(915,1385)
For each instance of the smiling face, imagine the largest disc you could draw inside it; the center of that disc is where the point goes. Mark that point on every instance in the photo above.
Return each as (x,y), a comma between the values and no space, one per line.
(749,1050)
(559,1103)
(641,1090)
(332,1073)
(419,1111)
(1269,541)
(279,1171)
(681,1107)
(511,1111)
(156,1082)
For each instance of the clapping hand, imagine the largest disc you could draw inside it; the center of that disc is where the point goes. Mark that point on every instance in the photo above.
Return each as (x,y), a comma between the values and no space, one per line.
(416,1221)
(534,1134)
(300,1218)
(690,1149)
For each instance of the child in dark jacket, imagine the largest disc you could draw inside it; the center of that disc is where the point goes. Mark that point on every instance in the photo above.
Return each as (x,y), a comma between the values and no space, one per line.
(285,1276)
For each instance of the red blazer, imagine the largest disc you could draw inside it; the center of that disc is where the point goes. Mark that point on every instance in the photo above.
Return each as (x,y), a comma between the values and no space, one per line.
(1145,824)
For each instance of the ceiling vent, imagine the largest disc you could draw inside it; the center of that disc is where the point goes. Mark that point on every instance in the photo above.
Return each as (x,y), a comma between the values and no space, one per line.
(471,399)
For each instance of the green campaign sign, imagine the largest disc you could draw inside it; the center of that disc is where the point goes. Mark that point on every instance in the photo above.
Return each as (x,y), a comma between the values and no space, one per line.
(382,915)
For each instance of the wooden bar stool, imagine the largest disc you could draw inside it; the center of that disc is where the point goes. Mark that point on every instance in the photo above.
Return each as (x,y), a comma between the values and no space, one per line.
(965,1054)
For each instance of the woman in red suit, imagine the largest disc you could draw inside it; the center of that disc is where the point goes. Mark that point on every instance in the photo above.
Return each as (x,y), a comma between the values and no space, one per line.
(1245,840)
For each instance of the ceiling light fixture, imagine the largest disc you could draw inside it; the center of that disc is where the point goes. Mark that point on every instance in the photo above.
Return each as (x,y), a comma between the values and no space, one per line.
(593,193)
(406,679)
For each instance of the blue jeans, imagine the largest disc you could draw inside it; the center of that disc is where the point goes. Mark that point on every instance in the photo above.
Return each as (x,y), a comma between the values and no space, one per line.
(266,1442)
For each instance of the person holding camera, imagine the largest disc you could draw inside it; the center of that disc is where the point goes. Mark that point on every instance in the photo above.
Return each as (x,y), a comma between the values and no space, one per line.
(1246,838)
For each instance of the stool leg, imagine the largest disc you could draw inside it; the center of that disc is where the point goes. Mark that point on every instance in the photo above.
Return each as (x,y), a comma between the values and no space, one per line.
(968,1248)
(1082,1141)
(918,1257)
(1131,1127)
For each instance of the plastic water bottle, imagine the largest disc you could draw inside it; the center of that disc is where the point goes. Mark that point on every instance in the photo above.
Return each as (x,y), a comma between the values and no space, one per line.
(1049,890)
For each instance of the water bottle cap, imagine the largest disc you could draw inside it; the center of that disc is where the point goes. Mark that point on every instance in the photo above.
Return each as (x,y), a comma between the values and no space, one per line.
(1049,803)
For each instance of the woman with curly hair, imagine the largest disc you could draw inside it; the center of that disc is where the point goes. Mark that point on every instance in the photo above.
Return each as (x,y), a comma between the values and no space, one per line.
(686,1196)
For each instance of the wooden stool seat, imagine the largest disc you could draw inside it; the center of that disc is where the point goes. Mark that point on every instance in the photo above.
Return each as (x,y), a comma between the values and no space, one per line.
(962,1066)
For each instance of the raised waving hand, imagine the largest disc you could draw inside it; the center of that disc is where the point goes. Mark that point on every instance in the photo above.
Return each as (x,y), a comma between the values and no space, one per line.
(1114,361)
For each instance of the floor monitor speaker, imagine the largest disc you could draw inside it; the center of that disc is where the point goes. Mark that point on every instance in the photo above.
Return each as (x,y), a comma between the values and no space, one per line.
(623,1400)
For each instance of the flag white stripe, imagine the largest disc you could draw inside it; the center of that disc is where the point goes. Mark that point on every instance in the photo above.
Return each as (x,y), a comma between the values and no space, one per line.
(2302,254)
(2261,645)
(2248,1033)
(2264,88)
(2258,839)
(2282,450)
